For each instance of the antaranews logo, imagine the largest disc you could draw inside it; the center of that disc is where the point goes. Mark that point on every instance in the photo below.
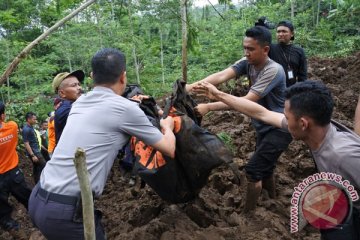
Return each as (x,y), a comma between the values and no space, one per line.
(323,199)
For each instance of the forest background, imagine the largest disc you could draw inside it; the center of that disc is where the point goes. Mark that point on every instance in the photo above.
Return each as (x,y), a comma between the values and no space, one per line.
(149,33)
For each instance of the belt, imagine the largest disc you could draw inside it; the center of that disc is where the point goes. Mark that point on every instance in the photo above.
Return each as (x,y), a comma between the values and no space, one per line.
(65,199)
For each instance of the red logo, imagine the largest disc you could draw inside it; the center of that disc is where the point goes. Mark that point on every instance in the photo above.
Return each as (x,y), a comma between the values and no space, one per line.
(325,205)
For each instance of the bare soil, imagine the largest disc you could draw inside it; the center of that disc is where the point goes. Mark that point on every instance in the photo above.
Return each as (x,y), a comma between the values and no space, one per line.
(217,212)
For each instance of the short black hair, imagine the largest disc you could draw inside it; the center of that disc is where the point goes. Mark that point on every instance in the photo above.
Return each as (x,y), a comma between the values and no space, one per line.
(261,34)
(311,98)
(29,115)
(288,24)
(107,65)
(2,107)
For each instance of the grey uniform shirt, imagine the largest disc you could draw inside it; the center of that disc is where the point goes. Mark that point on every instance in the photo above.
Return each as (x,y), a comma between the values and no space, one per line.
(339,153)
(269,83)
(101,123)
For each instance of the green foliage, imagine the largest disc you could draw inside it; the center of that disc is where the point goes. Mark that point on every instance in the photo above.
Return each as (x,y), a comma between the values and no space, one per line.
(15,14)
(41,105)
(214,41)
(228,141)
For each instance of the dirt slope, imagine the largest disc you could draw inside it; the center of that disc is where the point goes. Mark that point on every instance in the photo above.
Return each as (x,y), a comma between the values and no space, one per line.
(217,213)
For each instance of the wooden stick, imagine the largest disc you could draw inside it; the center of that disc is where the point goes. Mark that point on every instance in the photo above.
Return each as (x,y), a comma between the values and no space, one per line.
(86,194)
(27,49)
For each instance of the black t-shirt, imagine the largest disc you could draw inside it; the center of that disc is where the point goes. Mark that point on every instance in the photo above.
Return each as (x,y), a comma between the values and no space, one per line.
(29,135)
(290,57)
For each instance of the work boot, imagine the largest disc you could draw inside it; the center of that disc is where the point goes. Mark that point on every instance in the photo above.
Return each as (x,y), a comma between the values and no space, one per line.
(252,194)
(269,185)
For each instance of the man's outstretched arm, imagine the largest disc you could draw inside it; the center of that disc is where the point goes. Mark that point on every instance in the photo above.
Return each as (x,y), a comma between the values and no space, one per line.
(215,78)
(241,104)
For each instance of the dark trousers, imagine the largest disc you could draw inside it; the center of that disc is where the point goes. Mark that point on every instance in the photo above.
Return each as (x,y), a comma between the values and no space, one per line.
(45,154)
(350,230)
(269,147)
(38,167)
(56,221)
(12,182)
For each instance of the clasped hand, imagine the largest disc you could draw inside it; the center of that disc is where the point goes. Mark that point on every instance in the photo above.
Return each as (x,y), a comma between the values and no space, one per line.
(206,89)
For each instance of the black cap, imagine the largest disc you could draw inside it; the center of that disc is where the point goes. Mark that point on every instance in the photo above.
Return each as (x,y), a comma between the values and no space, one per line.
(288,24)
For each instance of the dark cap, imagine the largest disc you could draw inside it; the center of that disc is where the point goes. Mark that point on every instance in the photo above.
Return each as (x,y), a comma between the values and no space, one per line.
(288,24)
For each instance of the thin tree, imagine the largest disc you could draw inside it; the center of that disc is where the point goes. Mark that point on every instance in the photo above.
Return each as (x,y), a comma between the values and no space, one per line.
(162,55)
(136,64)
(292,3)
(184,40)
(318,12)
(7,79)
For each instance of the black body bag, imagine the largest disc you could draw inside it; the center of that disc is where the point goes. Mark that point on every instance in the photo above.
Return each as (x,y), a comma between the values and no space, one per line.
(162,173)
(198,152)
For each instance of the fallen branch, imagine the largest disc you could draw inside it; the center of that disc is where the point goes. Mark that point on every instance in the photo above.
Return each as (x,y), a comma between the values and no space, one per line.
(86,194)
(27,49)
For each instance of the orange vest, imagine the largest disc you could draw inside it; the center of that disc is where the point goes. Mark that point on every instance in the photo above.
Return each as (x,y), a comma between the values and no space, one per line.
(8,140)
(144,152)
(51,134)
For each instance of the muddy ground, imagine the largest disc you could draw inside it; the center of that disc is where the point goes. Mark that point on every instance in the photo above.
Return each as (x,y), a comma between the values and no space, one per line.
(217,212)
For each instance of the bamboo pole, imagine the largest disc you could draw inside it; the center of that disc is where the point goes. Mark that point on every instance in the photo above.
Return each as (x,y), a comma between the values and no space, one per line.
(28,48)
(86,194)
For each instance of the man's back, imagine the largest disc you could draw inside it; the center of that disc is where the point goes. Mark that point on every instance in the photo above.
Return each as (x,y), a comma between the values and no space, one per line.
(340,153)
(100,122)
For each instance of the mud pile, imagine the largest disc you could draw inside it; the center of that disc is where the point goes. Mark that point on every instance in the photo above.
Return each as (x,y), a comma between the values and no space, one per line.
(130,213)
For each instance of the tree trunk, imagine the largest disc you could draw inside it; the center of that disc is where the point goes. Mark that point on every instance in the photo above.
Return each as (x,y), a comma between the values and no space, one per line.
(177,35)
(7,79)
(184,40)
(86,194)
(98,19)
(318,12)
(67,52)
(2,95)
(28,48)
(292,2)
(69,61)
(162,57)
(134,46)
(112,11)
(314,11)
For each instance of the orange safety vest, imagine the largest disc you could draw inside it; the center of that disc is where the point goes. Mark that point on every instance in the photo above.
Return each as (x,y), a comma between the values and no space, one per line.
(8,140)
(51,134)
(147,157)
